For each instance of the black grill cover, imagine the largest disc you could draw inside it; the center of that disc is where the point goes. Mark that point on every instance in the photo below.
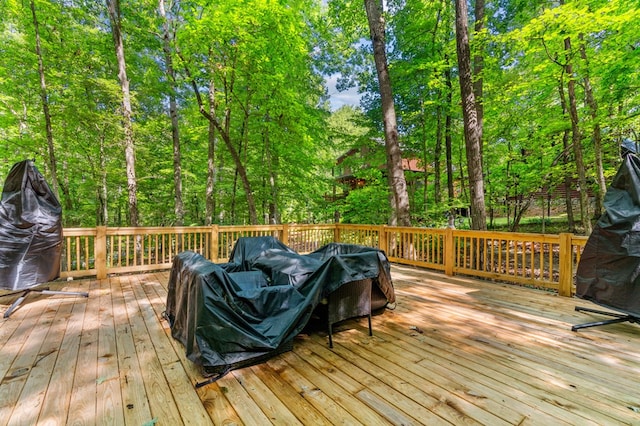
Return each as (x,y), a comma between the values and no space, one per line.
(609,270)
(30,229)
(225,323)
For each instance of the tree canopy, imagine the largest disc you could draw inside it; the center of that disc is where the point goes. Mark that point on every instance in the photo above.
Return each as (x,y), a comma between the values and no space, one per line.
(230,120)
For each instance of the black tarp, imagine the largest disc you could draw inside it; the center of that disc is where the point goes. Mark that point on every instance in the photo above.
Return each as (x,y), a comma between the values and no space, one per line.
(30,229)
(609,270)
(242,312)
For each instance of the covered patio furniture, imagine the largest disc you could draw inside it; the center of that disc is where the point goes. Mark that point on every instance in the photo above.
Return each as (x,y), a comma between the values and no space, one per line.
(245,311)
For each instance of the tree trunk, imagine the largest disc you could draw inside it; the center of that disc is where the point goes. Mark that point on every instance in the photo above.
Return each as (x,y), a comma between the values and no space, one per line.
(113,7)
(521,208)
(211,160)
(395,172)
(424,144)
(566,160)
(472,129)
(45,105)
(576,140)
(478,67)
(447,132)
(597,135)
(102,189)
(271,161)
(437,154)
(173,113)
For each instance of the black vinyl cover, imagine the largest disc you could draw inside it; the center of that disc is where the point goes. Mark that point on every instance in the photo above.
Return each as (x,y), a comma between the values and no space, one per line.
(224,323)
(30,229)
(609,270)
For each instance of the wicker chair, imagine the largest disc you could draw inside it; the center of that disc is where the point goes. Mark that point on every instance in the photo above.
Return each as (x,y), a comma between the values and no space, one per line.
(350,300)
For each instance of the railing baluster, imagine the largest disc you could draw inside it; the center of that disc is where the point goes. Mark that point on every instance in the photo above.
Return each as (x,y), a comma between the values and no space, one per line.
(542,260)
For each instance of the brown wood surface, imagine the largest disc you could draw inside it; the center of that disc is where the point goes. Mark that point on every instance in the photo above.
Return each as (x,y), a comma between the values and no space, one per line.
(455,350)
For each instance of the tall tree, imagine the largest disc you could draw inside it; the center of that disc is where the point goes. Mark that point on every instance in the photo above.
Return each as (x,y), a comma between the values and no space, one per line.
(576,139)
(212,143)
(265,83)
(566,147)
(45,103)
(113,7)
(102,191)
(447,132)
(478,65)
(224,132)
(597,134)
(472,129)
(167,39)
(395,172)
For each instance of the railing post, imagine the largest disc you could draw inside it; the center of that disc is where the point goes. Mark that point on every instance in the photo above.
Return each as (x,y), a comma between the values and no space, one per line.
(565,283)
(284,238)
(336,233)
(213,244)
(448,249)
(100,252)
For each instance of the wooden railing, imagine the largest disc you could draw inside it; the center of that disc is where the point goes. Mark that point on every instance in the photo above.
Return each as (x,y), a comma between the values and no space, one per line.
(540,260)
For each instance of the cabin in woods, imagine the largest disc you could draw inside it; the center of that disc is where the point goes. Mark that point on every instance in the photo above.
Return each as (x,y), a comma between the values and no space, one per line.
(361,158)
(550,200)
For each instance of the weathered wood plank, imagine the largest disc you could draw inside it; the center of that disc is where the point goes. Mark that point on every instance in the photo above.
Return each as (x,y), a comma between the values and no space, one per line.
(455,351)
(462,391)
(327,406)
(24,384)
(248,410)
(186,398)
(334,388)
(13,363)
(58,395)
(396,404)
(540,348)
(302,409)
(82,406)
(549,353)
(216,407)
(109,408)
(414,395)
(277,411)
(41,373)
(160,399)
(134,396)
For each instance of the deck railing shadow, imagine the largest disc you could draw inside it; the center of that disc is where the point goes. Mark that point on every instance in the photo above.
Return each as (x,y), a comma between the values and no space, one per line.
(541,260)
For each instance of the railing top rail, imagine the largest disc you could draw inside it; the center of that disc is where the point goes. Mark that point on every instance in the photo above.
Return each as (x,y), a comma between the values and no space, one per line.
(250,227)
(79,232)
(311,225)
(410,229)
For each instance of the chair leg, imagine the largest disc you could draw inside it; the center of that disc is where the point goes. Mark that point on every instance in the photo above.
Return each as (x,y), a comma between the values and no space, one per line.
(330,339)
(370,329)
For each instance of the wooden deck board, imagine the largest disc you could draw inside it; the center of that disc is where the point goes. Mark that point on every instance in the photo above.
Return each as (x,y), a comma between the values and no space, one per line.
(454,351)
(58,394)
(108,394)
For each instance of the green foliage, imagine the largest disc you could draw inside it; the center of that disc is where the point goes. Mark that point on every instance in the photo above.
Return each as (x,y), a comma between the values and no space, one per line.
(369,204)
(265,60)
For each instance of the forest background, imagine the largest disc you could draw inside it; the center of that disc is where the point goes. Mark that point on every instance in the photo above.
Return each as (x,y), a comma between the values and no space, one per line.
(164,112)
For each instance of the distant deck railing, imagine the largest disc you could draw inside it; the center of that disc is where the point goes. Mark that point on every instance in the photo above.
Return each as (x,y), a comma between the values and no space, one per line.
(540,260)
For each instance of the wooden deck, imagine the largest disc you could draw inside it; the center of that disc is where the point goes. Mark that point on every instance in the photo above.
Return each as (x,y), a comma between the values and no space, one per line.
(454,351)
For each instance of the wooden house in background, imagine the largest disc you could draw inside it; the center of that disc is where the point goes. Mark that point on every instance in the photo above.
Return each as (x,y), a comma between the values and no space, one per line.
(351,162)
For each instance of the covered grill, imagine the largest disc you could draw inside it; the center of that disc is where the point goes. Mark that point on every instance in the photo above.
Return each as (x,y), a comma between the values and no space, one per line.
(609,270)
(30,229)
